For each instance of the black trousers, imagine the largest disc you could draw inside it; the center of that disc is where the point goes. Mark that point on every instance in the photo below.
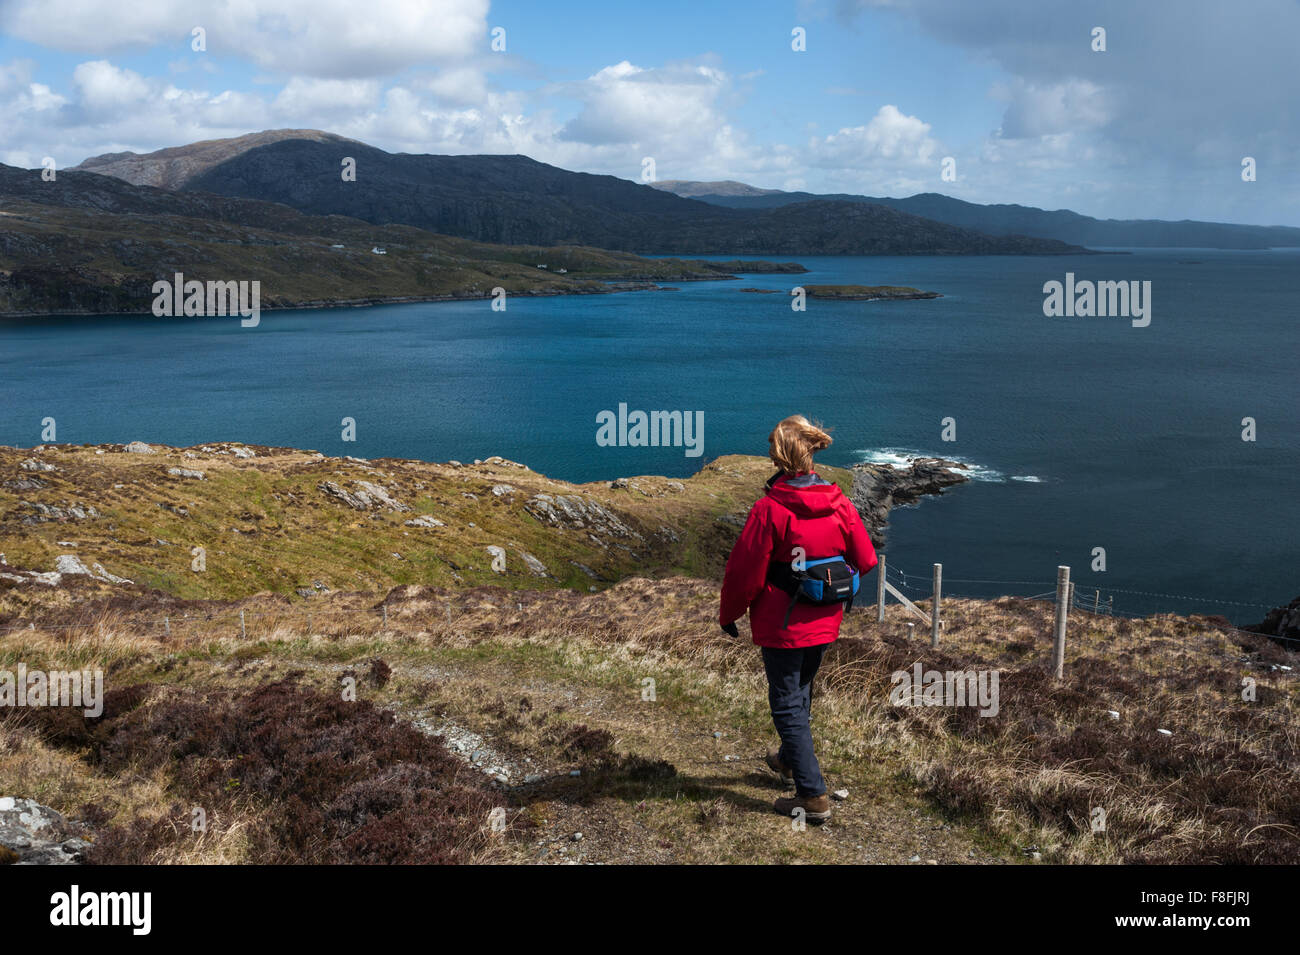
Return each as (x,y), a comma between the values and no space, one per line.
(790,675)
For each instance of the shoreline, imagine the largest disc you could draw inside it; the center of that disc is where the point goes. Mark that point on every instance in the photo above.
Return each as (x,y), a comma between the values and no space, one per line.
(617,287)
(614,286)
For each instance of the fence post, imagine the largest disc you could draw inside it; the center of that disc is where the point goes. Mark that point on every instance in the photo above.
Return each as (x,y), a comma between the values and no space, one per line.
(1096,602)
(911,630)
(167,625)
(1062,609)
(385,616)
(242,632)
(880,590)
(934,610)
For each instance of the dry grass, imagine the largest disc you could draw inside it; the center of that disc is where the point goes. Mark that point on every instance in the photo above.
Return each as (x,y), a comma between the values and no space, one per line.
(1219,789)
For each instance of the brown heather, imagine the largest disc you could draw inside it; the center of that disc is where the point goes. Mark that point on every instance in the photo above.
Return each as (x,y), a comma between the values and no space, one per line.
(255,731)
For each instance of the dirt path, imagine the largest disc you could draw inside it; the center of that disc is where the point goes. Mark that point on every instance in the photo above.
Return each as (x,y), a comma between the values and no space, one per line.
(715,808)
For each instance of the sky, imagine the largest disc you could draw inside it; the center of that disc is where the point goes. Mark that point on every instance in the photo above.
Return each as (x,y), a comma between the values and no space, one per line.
(1156,125)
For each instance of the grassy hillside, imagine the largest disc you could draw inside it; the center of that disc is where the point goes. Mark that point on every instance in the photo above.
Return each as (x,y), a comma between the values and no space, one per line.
(617,725)
(89,244)
(269,523)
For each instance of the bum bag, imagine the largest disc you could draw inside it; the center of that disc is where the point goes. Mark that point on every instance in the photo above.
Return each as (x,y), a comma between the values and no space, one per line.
(821,581)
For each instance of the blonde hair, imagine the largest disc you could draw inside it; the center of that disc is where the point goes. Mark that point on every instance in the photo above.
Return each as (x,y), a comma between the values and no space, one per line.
(792,443)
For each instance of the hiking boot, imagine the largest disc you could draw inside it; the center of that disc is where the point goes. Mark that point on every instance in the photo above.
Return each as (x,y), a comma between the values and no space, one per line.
(781,769)
(816,808)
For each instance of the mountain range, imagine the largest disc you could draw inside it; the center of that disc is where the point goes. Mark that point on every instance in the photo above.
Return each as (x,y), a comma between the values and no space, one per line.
(278,206)
(517,200)
(1003,219)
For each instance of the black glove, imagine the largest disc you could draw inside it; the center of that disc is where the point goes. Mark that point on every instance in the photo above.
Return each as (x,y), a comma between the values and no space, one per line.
(730,629)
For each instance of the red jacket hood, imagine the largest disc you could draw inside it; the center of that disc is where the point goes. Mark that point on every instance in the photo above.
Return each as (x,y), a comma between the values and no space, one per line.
(807,495)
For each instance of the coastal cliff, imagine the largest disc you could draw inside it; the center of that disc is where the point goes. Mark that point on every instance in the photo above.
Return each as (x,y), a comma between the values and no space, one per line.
(298,523)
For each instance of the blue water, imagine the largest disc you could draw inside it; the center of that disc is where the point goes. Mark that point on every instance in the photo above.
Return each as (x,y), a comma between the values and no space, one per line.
(1087,432)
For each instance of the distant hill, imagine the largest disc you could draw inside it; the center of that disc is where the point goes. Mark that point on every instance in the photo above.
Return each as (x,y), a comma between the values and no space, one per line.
(1062,224)
(91,244)
(517,200)
(172,168)
(725,187)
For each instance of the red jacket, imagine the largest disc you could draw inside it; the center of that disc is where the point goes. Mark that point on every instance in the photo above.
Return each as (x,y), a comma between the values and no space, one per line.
(801,511)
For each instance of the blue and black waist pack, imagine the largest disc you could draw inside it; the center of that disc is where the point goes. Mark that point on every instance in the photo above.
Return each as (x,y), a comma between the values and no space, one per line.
(822,581)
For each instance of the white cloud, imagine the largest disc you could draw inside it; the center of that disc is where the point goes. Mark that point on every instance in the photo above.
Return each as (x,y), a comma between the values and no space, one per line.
(1048,109)
(331,38)
(892,153)
(459,86)
(624,103)
(106,90)
(889,135)
(308,96)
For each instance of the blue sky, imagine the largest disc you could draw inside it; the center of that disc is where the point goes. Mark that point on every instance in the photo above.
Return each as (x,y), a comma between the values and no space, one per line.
(1155,126)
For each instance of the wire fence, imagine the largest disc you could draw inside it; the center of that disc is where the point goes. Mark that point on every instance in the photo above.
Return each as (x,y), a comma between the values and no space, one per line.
(1159,642)
(1169,653)
(1090,599)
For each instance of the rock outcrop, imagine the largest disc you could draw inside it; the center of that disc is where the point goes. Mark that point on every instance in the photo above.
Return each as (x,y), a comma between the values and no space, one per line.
(1282,624)
(877,488)
(52,512)
(32,834)
(364,496)
(571,510)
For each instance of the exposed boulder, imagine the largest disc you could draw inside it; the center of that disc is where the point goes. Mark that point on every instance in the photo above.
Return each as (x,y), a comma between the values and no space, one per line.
(38,835)
(535,566)
(31,464)
(138,447)
(425,520)
(497,461)
(24,484)
(71,565)
(51,512)
(573,511)
(364,496)
(186,473)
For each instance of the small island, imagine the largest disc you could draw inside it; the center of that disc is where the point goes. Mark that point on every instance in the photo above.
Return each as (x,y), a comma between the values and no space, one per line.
(867,293)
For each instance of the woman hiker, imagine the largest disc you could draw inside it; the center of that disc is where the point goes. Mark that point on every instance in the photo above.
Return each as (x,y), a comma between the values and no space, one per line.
(800,521)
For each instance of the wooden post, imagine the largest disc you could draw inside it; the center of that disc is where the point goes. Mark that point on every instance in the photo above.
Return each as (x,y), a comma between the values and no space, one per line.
(934,610)
(1062,610)
(880,590)
(385,616)
(167,625)
(911,630)
(1096,602)
(242,632)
